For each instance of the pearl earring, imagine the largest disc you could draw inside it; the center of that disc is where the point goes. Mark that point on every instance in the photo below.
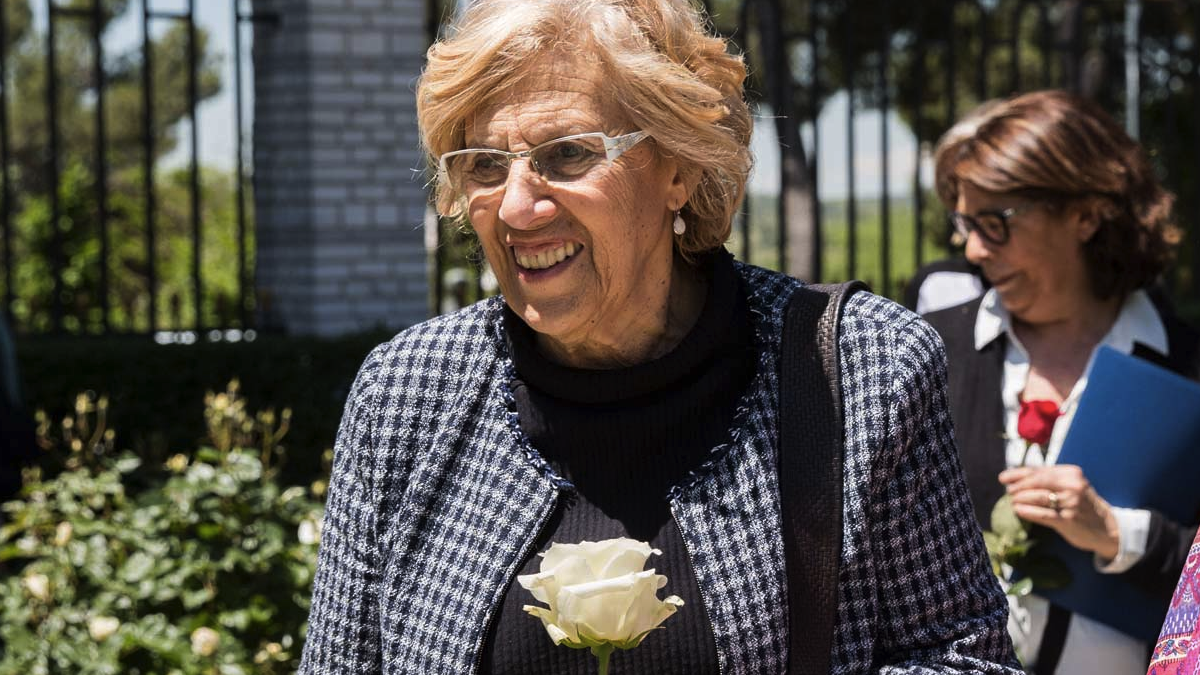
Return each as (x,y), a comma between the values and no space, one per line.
(679,227)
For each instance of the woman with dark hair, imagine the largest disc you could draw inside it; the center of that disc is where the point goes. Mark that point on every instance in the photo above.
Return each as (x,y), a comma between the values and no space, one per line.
(626,387)
(1061,211)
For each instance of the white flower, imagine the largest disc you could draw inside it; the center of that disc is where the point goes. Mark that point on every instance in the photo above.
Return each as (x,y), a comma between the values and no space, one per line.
(205,641)
(101,627)
(38,586)
(177,463)
(598,593)
(62,534)
(309,531)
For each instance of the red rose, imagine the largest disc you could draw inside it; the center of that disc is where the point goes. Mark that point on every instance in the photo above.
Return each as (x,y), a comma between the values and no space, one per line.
(1036,421)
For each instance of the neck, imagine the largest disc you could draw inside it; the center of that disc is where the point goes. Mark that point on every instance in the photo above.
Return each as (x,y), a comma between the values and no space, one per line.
(1084,322)
(651,333)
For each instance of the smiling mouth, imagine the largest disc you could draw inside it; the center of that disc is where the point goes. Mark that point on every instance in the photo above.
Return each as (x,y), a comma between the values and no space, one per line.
(1002,280)
(547,258)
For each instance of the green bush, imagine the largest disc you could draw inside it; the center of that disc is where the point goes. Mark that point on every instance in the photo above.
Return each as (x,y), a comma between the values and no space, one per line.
(202,564)
(157,391)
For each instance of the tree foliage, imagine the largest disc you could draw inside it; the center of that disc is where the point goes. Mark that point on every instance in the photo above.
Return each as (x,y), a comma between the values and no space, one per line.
(931,62)
(35,244)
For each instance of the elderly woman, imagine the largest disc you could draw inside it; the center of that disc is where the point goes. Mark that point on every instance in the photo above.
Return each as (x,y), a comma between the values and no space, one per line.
(1062,213)
(625,385)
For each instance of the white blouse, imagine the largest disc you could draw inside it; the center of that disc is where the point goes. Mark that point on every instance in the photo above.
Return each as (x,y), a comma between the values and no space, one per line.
(1091,647)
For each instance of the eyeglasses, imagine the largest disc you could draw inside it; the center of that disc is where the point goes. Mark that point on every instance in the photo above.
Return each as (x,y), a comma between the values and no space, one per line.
(560,160)
(991,225)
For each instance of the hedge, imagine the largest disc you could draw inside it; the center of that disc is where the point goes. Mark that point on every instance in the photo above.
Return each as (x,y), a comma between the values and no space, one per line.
(156,392)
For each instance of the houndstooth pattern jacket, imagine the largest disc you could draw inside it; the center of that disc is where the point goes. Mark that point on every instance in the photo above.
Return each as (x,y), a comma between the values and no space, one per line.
(437,497)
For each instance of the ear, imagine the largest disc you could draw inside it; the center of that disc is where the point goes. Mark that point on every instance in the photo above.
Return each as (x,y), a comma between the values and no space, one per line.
(683,184)
(1085,219)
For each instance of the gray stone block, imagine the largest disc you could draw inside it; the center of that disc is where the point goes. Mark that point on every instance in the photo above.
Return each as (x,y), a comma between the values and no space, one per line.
(327,42)
(339,206)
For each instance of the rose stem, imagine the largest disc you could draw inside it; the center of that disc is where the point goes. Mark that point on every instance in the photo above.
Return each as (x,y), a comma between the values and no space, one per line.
(602,652)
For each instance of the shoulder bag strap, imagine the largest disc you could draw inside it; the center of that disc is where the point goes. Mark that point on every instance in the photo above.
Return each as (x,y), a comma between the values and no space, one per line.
(810,470)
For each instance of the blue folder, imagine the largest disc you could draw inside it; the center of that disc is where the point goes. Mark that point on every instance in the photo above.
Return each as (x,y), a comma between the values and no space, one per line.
(1136,435)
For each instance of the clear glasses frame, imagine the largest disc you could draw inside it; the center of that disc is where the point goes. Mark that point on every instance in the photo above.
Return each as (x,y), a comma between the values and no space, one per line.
(614,147)
(992,226)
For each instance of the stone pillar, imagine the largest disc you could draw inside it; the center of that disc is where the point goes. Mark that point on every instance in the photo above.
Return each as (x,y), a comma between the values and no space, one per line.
(338,185)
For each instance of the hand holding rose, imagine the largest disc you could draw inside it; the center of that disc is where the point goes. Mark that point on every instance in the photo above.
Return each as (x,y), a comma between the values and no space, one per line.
(1061,498)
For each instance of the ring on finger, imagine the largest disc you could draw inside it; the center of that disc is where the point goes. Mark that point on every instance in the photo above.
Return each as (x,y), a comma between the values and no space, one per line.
(1053,499)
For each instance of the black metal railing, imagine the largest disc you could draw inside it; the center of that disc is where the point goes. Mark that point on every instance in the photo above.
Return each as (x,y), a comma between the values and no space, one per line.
(929,63)
(40,240)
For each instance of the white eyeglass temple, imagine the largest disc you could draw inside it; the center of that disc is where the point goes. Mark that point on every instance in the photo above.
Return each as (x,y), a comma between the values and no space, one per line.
(613,147)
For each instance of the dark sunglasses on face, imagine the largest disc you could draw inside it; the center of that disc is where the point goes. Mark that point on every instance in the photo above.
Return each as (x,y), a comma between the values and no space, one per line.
(992,226)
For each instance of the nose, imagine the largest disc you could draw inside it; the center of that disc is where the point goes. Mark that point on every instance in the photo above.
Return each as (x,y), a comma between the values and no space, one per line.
(525,204)
(977,250)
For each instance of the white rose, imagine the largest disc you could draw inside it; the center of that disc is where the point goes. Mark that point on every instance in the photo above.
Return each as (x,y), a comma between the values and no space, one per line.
(309,531)
(205,641)
(101,627)
(598,593)
(38,586)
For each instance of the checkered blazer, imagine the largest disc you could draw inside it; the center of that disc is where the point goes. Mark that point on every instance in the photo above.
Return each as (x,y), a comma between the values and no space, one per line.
(437,497)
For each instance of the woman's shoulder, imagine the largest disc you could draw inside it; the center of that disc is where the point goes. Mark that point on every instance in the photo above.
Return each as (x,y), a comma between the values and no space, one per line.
(437,354)
(872,327)
(878,333)
(959,318)
(1183,341)
(447,336)
(956,327)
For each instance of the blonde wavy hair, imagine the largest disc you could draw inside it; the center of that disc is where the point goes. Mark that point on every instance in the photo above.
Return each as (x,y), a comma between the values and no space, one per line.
(670,77)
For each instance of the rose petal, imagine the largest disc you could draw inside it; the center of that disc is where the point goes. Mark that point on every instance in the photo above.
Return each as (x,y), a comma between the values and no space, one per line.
(627,560)
(545,585)
(599,609)
(598,554)
(550,623)
(647,611)
(597,592)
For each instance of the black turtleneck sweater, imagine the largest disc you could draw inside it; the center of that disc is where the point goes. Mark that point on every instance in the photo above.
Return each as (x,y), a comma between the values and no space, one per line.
(624,437)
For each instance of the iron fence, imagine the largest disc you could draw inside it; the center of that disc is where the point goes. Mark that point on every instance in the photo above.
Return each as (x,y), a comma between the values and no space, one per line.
(61,272)
(914,68)
(918,67)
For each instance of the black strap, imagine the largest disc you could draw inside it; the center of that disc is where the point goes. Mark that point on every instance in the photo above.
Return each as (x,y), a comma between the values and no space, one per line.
(1053,640)
(810,470)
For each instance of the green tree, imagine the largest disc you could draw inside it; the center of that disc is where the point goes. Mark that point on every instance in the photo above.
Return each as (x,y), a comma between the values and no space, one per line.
(124,153)
(934,61)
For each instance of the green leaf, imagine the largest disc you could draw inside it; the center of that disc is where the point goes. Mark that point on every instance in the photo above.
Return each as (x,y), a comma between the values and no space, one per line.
(197,597)
(1021,588)
(11,551)
(1005,522)
(137,567)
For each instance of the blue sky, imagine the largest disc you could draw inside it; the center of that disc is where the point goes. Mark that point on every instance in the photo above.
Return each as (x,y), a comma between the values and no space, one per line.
(833,169)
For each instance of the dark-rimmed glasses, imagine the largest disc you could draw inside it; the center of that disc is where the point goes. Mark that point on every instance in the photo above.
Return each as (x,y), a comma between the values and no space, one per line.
(559,160)
(992,226)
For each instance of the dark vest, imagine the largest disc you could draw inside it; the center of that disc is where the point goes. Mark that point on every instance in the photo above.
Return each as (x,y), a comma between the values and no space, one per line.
(978,413)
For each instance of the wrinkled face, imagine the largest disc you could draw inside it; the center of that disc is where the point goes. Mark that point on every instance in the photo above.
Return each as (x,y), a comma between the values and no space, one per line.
(1040,272)
(580,257)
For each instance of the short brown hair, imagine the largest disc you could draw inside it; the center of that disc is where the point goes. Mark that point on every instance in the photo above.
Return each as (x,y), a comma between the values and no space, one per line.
(670,76)
(1061,149)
